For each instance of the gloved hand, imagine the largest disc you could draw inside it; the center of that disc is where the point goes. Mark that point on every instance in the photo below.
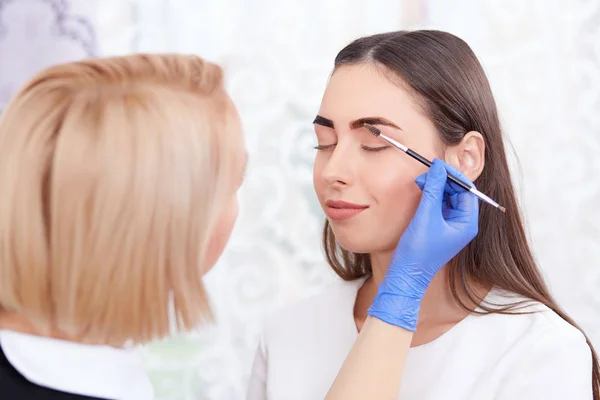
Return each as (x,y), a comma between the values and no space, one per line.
(445,222)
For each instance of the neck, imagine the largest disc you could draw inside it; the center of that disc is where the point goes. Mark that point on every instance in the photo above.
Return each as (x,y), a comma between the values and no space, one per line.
(19,323)
(438,302)
(439,311)
(15,322)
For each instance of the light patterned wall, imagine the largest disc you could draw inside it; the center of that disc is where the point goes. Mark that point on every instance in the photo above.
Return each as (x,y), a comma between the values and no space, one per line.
(37,33)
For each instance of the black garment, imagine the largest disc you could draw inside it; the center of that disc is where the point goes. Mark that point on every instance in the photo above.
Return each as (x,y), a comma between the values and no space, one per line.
(14,386)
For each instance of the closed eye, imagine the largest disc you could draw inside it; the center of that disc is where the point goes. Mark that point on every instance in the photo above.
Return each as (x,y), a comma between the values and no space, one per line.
(325,146)
(367,148)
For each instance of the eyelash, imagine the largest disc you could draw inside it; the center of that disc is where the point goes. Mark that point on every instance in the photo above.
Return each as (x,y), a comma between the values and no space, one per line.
(375,149)
(324,146)
(366,148)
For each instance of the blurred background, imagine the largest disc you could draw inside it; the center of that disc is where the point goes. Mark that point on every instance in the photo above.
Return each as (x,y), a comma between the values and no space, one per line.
(543,60)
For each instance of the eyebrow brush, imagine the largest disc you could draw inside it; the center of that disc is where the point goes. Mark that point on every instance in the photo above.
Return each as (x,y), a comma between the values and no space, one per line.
(376,132)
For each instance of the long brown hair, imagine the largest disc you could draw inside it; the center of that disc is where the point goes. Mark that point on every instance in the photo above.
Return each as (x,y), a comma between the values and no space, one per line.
(449,83)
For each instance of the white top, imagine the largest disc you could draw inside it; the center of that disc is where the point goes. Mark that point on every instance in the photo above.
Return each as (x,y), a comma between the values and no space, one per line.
(494,356)
(95,371)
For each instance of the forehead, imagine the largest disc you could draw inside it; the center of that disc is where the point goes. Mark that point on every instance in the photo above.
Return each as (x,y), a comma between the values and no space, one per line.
(365,89)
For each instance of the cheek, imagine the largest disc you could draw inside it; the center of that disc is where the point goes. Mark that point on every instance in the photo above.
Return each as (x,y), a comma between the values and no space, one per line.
(393,187)
(393,179)
(397,197)
(221,235)
(318,181)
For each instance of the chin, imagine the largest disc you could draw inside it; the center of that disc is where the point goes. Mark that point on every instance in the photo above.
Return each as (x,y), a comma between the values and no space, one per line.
(358,243)
(366,241)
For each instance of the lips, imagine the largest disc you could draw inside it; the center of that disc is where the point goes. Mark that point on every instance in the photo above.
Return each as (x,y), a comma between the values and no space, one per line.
(338,210)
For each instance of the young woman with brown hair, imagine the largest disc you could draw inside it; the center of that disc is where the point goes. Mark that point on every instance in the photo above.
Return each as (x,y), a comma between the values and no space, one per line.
(488,327)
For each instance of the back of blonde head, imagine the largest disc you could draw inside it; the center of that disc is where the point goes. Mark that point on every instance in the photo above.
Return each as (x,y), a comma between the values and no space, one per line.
(112,173)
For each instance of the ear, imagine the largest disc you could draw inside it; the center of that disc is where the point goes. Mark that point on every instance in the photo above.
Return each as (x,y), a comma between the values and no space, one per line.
(468,156)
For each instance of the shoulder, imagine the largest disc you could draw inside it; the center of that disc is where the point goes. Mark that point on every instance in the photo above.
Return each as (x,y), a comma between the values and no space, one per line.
(535,329)
(551,335)
(15,386)
(553,338)
(28,364)
(552,358)
(533,316)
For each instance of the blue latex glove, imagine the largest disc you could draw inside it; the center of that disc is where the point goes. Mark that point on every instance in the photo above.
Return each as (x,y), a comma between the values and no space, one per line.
(445,222)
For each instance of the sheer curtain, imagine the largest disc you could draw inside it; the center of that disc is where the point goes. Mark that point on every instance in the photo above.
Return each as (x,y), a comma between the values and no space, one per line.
(543,60)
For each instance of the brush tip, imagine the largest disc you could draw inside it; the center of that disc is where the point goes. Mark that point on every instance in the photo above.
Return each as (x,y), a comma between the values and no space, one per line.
(372,129)
(502,209)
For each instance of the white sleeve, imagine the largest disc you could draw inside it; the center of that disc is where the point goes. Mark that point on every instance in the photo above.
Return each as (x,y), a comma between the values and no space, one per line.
(555,367)
(257,387)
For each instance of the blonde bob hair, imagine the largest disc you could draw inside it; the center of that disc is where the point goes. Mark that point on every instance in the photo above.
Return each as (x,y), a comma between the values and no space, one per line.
(113,172)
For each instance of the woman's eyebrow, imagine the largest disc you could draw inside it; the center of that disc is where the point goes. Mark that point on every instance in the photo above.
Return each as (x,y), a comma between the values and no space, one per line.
(319,120)
(359,123)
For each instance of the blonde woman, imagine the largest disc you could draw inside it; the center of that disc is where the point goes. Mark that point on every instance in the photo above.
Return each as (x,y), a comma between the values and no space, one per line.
(118,179)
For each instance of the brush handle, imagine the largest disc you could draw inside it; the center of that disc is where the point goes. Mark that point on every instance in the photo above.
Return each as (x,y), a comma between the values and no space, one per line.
(418,157)
(424,161)
(428,163)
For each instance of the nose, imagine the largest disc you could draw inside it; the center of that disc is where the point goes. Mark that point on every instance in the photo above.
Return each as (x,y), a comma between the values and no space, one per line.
(338,171)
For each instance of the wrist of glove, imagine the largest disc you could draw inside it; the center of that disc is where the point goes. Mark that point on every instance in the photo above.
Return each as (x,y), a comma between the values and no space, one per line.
(399,296)
(395,309)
